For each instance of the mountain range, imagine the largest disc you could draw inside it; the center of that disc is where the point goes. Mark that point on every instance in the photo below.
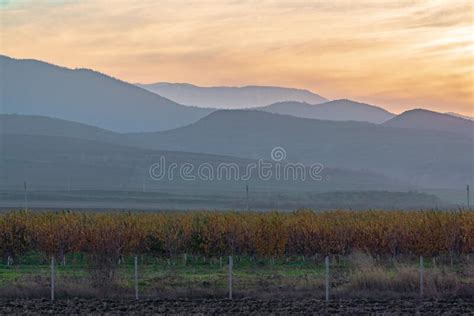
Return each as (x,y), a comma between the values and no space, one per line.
(60,125)
(32,87)
(86,165)
(230,97)
(434,158)
(411,156)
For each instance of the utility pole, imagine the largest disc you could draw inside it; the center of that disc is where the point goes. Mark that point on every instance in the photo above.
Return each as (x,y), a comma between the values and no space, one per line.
(26,196)
(467,190)
(247,191)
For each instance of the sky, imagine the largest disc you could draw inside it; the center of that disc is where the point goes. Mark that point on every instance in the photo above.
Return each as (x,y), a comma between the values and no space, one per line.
(395,54)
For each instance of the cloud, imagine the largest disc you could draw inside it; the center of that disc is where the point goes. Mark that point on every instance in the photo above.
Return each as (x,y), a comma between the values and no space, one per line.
(398,53)
(446,14)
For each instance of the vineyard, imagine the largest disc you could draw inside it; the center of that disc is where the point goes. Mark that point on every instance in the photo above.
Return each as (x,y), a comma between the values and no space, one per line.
(112,236)
(185,254)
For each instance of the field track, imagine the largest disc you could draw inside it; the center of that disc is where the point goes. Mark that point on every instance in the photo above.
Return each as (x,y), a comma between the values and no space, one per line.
(457,306)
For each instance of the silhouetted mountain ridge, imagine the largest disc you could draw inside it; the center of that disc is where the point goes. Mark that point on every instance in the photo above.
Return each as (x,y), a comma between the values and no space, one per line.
(337,110)
(430,120)
(466,117)
(33,87)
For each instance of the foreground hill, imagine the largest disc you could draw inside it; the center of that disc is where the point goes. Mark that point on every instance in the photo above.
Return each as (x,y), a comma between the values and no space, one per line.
(47,126)
(46,139)
(337,110)
(432,158)
(33,87)
(95,172)
(230,97)
(429,120)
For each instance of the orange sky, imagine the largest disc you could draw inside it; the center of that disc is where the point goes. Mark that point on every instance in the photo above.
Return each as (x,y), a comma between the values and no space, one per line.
(398,55)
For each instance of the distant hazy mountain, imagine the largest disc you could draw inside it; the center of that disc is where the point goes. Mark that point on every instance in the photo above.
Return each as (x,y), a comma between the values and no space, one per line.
(432,158)
(36,88)
(429,120)
(230,97)
(337,110)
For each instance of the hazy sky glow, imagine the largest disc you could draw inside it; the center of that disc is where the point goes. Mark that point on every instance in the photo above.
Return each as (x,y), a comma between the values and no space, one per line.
(397,54)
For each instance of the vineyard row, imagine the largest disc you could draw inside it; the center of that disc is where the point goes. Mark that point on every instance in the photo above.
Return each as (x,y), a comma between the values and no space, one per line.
(109,236)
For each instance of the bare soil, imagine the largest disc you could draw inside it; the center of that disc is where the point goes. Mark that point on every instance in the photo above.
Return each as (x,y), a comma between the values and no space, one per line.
(454,306)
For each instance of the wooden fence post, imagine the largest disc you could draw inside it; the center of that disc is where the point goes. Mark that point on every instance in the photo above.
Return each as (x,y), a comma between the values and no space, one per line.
(52,278)
(136,276)
(231,265)
(421,276)
(326,261)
